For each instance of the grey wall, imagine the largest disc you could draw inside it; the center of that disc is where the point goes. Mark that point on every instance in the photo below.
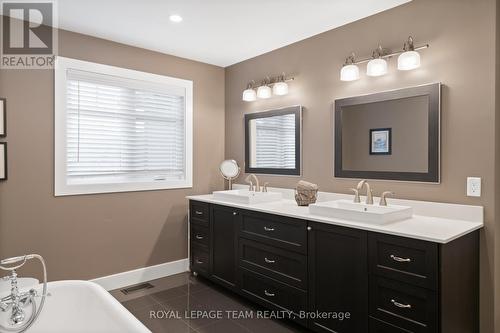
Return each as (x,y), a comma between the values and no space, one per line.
(88,236)
(462,56)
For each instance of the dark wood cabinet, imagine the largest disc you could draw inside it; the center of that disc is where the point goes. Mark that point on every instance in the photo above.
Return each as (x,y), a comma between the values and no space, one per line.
(199,212)
(404,305)
(286,266)
(274,294)
(338,278)
(274,230)
(378,326)
(407,260)
(224,244)
(425,287)
(356,281)
(200,260)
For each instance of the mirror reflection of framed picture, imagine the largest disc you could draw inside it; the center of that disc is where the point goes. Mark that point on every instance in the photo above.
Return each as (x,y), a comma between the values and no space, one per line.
(380,141)
(3,161)
(3,116)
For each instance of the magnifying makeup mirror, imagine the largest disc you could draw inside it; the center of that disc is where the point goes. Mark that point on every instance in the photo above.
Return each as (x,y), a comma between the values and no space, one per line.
(230,170)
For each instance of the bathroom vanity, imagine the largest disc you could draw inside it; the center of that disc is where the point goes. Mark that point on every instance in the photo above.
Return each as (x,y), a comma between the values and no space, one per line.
(416,275)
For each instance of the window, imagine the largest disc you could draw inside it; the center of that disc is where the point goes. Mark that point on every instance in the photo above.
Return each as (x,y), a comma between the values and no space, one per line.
(272,144)
(120,130)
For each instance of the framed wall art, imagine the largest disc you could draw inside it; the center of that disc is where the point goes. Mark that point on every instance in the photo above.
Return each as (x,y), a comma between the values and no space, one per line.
(380,141)
(3,117)
(3,161)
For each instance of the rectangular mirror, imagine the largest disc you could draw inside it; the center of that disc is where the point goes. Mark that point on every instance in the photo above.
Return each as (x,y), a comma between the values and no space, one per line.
(272,141)
(392,135)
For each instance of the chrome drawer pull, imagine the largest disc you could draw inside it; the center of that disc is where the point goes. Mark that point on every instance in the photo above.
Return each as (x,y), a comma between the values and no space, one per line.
(268,229)
(197,212)
(198,261)
(269,261)
(399,259)
(199,237)
(400,305)
(267,293)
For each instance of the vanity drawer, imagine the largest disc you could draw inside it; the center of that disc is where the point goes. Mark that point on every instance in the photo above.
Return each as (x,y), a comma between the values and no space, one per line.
(378,326)
(403,305)
(200,260)
(404,259)
(271,293)
(199,212)
(286,266)
(283,232)
(200,235)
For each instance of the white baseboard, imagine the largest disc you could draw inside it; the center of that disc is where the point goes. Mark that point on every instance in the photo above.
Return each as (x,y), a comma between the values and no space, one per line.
(140,275)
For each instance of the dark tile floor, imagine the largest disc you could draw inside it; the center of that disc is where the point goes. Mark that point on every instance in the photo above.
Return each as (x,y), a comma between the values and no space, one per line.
(164,308)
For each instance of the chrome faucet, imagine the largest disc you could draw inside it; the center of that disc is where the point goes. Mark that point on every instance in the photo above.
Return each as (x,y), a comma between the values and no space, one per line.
(264,187)
(249,178)
(383,198)
(369,191)
(16,301)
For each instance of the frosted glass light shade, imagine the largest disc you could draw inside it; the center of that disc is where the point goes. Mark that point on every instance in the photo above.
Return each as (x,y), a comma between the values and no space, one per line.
(408,60)
(249,95)
(280,88)
(264,92)
(349,73)
(376,67)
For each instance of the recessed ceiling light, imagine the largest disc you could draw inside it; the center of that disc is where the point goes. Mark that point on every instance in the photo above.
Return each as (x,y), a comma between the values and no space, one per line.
(175,18)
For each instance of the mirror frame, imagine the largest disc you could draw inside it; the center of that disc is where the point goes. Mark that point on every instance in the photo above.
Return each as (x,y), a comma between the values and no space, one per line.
(433,171)
(297,111)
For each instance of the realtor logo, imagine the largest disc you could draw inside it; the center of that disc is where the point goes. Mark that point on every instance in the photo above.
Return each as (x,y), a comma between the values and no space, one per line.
(28,35)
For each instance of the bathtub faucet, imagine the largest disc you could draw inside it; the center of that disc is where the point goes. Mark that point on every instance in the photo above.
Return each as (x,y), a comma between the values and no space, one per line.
(16,300)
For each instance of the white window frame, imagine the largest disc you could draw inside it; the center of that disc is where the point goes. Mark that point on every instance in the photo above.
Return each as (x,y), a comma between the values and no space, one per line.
(61,188)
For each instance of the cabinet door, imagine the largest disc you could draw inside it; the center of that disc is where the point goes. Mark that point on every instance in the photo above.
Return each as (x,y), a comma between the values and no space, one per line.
(338,278)
(224,245)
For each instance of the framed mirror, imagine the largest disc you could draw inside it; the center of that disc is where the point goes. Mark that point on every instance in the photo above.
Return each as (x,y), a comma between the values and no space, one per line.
(393,135)
(273,141)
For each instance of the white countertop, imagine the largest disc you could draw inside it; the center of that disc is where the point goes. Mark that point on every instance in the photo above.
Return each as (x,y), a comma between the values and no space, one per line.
(433,227)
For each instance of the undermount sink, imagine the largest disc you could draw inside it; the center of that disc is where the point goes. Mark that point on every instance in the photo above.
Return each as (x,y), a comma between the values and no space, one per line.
(247,197)
(348,210)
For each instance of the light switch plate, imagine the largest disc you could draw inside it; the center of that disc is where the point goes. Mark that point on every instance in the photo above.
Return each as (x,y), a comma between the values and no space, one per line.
(473,186)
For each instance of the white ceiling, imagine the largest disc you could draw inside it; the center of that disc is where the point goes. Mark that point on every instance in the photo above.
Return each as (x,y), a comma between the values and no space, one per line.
(219,32)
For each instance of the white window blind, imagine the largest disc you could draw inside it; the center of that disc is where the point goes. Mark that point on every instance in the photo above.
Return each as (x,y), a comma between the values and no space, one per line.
(275,142)
(121,131)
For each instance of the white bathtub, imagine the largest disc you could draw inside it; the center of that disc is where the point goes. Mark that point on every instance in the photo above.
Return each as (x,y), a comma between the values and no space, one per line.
(82,307)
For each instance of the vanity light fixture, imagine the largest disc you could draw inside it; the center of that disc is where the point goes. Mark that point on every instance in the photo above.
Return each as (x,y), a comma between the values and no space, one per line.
(377,66)
(249,94)
(280,88)
(408,59)
(269,86)
(264,91)
(349,71)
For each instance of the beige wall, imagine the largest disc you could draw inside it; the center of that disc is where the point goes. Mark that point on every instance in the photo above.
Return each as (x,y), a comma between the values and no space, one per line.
(497,167)
(461,56)
(88,236)
(409,123)
(119,232)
